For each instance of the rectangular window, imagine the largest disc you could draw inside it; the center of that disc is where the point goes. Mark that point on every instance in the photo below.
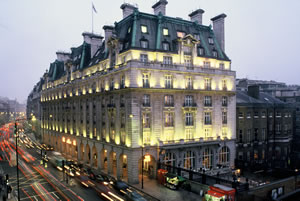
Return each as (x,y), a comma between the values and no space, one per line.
(270,114)
(207,132)
(188,63)
(263,134)
(224,101)
(256,134)
(200,51)
(146,120)
(249,135)
(165,31)
(188,100)
(189,119)
(278,114)
(224,117)
(187,50)
(206,64)
(167,60)
(146,80)
(180,34)
(146,100)
(189,82)
(169,101)
(122,101)
(222,66)
(256,115)
(224,85)
(248,115)
(263,114)
(207,118)
(144,29)
(168,82)
(122,82)
(197,36)
(210,40)
(215,54)
(278,128)
(144,44)
(144,58)
(241,115)
(169,120)
(207,83)
(207,101)
(189,134)
(166,46)
(112,84)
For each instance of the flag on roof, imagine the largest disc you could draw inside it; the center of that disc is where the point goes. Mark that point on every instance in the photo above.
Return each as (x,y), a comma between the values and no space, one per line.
(94,9)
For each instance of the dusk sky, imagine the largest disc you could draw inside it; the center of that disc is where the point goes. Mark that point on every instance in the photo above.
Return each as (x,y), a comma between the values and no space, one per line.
(262,36)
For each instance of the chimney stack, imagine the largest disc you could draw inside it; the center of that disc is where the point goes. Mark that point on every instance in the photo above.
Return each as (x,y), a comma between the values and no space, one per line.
(94,40)
(108,33)
(196,16)
(160,7)
(128,9)
(219,29)
(253,91)
(63,56)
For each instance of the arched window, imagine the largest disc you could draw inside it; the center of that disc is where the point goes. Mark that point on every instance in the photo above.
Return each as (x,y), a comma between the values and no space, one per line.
(224,156)
(170,159)
(189,160)
(207,158)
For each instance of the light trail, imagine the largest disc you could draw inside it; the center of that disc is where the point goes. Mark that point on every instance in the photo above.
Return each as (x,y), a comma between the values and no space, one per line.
(37,192)
(27,194)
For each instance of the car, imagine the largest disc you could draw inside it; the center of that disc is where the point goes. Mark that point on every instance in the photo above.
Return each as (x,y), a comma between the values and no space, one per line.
(135,196)
(84,181)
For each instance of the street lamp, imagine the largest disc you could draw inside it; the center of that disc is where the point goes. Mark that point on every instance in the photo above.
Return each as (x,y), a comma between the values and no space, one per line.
(142,134)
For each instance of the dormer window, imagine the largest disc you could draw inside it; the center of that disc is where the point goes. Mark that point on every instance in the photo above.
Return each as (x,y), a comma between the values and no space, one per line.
(144,43)
(180,34)
(126,45)
(200,51)
(129,30)
(144,29)
(165,32)
(187,50)
(166,46)
(210,40)
(215,53)
(197,36)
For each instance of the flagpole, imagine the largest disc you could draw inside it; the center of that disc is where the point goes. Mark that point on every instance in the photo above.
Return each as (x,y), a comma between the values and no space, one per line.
(92,19)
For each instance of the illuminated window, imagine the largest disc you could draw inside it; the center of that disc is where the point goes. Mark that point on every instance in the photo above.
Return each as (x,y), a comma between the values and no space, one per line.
(207,133)
(189,160)
(146,80)
(207,83)
(166,32)
(189,82)
(146,137)
(146,120)
(224,117)
(146,100)
(224,156)
(222,66)
(207,158)
(207,101)
(144,29)
(180,34)
(207,118)
(169,120)
(144,58)
(123,137)
(166,46)
(210,40)
(224,132)
(169,101)
(189,134)
(189,119)
(168,82)
(170,159)
(224,84)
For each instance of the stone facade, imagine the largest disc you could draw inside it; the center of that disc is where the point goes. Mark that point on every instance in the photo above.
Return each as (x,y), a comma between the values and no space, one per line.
(176,107)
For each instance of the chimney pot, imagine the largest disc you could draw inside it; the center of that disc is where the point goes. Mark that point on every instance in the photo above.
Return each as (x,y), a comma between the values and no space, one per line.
(196,16)
(63,56)
(160,7)
(94,40)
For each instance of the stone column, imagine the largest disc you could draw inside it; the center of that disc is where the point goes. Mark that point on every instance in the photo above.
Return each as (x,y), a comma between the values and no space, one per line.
(133,168)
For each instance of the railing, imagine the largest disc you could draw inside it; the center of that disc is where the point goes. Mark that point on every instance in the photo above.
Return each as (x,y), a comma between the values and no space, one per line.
(194,140)
(189,104)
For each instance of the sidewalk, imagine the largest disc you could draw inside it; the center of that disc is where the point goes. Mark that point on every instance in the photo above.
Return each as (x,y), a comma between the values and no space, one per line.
(165,194)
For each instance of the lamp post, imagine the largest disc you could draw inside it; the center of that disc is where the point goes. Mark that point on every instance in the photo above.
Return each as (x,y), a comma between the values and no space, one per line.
(142,134)
(17,157)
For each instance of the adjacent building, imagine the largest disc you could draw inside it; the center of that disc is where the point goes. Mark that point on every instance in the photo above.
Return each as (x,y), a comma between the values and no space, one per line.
(153,89)
(264,130)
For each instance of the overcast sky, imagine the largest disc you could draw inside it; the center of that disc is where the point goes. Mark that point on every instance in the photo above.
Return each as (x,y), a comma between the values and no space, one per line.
(262,36)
